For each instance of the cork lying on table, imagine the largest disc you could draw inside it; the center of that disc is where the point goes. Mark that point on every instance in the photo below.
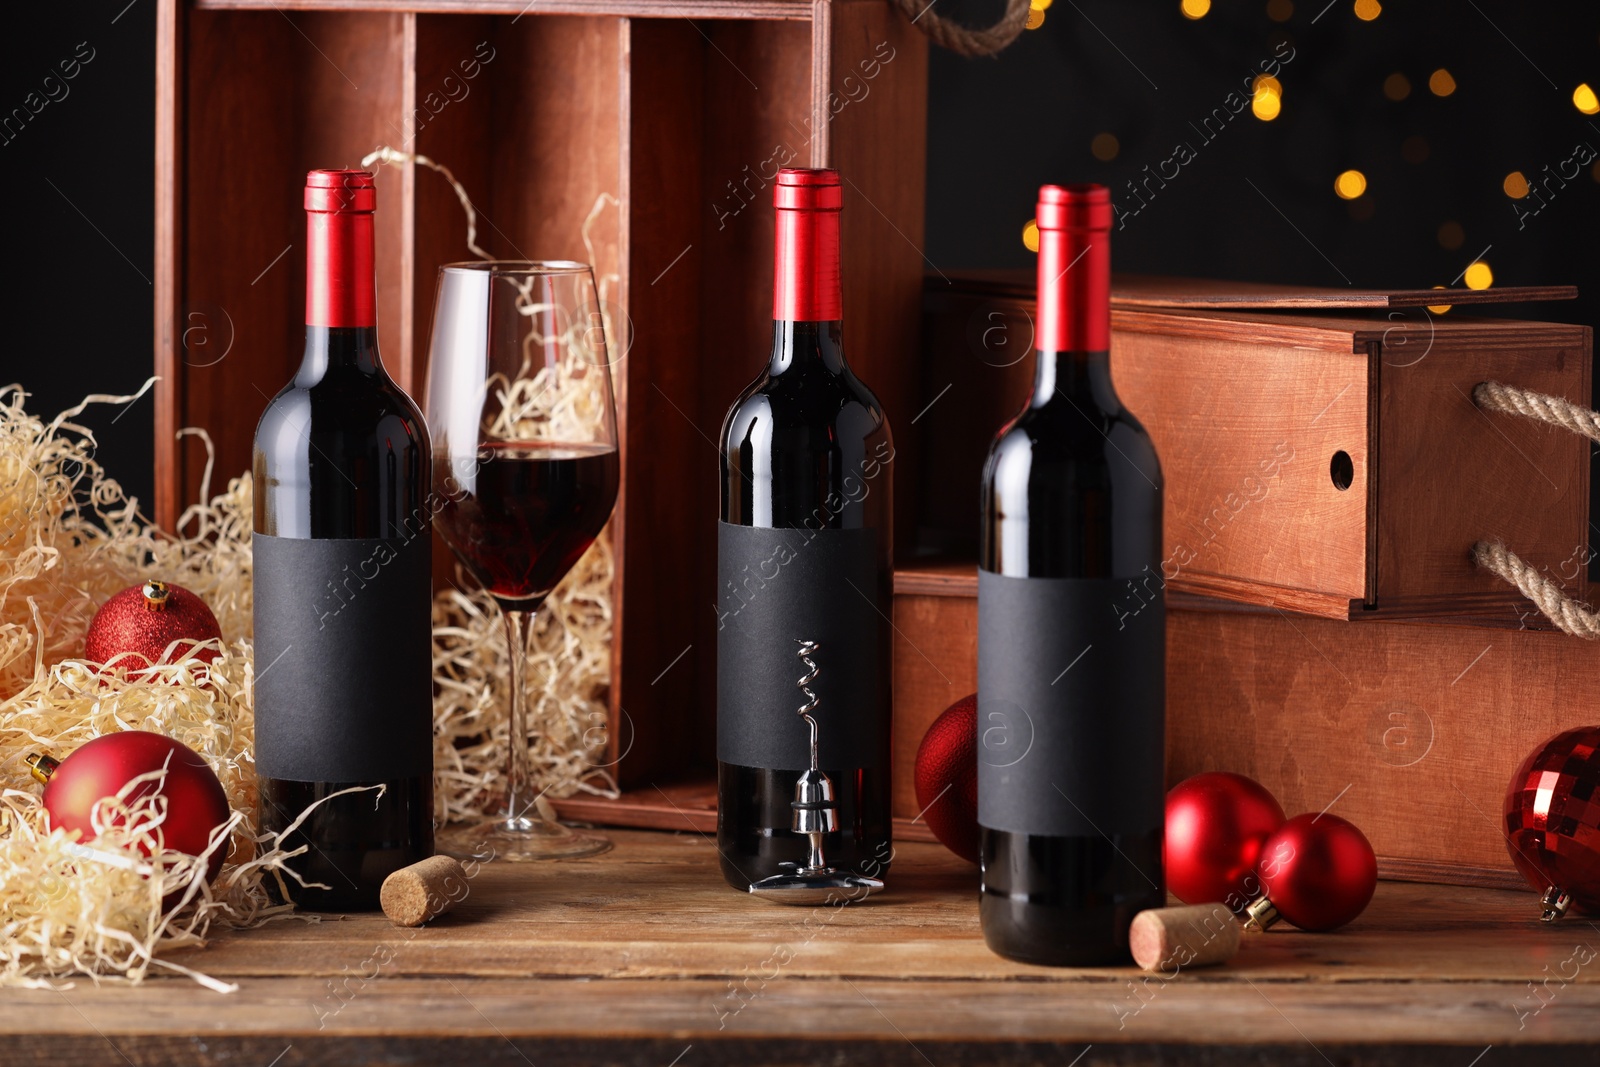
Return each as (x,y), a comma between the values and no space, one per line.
(423,891)
(1195,935)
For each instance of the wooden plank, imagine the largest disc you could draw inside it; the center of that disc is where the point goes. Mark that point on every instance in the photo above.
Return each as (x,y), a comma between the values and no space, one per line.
(1244,416)
(643,955)
(168,281)
(1415,728)
(1154,291)
(792,10)
(936,577)
(659,682)
(1454,474)
(267,96)
(685,806)
(935,664)
(871,103)
(1150,291)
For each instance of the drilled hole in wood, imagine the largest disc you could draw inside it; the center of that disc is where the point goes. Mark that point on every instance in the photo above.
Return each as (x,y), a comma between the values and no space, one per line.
(1342,470)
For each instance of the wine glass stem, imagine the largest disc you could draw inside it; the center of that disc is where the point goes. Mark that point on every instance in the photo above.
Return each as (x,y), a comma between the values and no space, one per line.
(519,776)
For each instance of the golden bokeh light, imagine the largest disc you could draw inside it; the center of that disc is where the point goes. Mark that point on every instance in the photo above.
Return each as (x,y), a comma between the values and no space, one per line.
(1515,185)
(1267,99)
(1030,236)
(1440,83)
(1367,10)
(1039,5)
(1439,309)
(1397,86)
(1035,18)
(1584,100)
(1451,236)
(1350,184)
(1280,10)
(1105,147)
(1479,276)
(1195,9)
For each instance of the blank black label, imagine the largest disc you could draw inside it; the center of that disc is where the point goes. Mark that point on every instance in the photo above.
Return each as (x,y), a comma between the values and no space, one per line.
(1071,708)
(775,589)
(343,659)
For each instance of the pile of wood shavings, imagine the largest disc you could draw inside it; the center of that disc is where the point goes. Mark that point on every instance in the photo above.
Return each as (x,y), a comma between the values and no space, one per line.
(69,538)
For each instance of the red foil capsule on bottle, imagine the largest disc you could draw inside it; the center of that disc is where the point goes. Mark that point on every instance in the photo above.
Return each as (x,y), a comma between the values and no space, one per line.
(1074,269)
(340,288)
(806,254)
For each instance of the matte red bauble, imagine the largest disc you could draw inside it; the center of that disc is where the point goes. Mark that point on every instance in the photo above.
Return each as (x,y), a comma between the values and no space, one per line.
(1317,871)
(143,620)
(196,803)
(1552,821)
(1216,824)
(947,778)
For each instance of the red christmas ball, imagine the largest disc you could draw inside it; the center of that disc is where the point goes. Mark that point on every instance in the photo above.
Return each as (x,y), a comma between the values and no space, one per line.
(1216,824)
(144,621)
(1318,871)
(1552,820)
(946,778)
(196,803)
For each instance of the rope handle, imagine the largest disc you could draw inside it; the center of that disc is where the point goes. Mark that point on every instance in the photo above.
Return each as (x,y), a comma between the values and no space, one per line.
(964,40)
(1567,614)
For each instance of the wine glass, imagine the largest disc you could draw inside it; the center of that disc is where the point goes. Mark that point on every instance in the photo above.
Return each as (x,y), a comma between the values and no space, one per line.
(525,474)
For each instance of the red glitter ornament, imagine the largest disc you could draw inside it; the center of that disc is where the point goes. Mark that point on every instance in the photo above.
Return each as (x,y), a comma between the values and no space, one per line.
(946,778)
(1216,823)
(196,803)
(1552,821)
(144,621)
(1317,871)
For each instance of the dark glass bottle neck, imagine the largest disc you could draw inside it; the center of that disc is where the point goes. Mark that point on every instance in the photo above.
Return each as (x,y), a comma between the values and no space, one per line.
(332,348)
(1070,374)
(797,345)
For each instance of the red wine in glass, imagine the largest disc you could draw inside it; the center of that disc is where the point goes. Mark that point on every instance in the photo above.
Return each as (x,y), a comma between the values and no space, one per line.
(527,512)
(523,431)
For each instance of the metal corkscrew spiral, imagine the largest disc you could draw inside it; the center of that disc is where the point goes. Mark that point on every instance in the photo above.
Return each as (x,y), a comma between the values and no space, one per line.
(807,650)
(816,814)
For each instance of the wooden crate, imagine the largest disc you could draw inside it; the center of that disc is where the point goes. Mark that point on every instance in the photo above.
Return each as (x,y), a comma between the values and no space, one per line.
(1409,729)
(1253,410)
(681,111)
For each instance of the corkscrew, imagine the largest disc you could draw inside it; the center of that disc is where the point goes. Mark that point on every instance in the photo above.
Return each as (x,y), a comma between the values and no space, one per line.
(816,813)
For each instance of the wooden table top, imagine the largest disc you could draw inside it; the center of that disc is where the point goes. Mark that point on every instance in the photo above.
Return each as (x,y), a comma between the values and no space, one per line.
(644,957)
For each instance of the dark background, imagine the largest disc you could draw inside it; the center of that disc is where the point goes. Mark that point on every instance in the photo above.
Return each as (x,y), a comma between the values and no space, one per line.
(1256,203)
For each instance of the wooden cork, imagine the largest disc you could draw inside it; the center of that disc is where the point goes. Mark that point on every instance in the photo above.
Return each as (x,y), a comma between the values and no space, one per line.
(1173,939)
(423,891)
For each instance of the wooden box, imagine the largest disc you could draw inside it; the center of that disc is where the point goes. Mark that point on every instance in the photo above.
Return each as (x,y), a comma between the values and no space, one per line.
(681,112)
(1319,457)
(1410,729)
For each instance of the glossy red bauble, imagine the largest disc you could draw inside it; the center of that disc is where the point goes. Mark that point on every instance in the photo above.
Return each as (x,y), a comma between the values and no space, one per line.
(946,778)
(1552,820)
(144,620)
(1318,871)
(196,803)
(1216,824)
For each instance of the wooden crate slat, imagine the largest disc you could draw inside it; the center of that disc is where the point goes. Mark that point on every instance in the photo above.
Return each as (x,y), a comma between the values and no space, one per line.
(794,10)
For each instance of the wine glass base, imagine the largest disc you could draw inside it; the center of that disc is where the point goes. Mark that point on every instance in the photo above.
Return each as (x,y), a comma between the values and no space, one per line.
(519,840)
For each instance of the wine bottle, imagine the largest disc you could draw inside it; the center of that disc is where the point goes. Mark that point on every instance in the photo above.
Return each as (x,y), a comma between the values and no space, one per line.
(343,646)
(1071,629)
(804,554)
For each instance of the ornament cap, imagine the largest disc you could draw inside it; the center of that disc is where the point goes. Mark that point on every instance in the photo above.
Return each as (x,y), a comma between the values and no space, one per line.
(42,767)
(1555,902)
(156,595)
(1260,914)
